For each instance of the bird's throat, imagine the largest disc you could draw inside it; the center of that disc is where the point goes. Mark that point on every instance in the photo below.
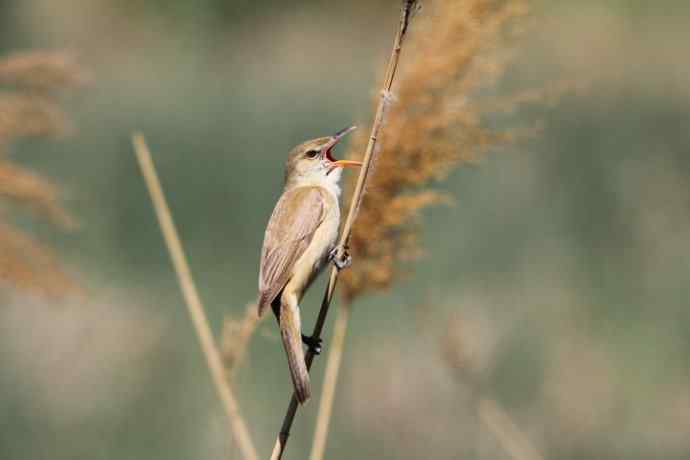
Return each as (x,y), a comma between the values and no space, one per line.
(328,182)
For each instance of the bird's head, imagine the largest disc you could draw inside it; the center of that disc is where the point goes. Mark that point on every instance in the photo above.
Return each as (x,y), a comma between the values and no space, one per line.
(312,162)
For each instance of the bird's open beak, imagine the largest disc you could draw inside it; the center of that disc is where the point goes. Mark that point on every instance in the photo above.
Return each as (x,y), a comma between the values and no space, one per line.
(331,143)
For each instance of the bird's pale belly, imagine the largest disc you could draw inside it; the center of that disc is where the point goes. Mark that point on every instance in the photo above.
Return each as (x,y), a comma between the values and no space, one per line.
(315,258)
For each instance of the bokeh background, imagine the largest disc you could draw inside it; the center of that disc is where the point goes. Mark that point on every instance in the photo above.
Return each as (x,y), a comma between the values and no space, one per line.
(560,274)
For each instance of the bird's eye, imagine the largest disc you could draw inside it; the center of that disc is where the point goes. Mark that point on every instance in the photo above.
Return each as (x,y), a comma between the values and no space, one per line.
(312,153)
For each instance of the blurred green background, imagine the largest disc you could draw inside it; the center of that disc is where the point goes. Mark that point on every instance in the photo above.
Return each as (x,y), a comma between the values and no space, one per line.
(565,258)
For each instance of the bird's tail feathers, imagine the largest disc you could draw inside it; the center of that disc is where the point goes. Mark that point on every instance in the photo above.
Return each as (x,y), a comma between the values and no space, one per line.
(291,334)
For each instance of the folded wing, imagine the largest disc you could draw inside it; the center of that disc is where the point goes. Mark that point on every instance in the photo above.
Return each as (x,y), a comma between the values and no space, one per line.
(295,219)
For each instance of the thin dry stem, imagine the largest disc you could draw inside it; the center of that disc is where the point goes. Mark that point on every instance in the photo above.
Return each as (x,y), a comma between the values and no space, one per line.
(330,380)
(461,352)
(236,336)
(193,301)
(406,11)
(501,425)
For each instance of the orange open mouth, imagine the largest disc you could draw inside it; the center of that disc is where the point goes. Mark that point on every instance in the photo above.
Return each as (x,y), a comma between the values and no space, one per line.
(328,153)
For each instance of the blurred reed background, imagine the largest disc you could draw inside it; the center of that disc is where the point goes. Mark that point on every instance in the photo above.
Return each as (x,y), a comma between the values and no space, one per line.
(556,286)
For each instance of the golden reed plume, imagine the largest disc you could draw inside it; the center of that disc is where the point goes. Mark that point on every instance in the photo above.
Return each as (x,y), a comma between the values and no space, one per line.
(29,107)
(434,121)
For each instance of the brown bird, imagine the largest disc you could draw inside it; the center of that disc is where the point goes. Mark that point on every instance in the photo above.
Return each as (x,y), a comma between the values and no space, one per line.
(298,243)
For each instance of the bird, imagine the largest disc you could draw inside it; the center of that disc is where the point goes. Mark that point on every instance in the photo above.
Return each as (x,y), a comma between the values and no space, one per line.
(299,242)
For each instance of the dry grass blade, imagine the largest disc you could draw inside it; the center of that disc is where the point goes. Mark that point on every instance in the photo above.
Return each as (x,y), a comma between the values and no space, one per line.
(407,10)
(193,301)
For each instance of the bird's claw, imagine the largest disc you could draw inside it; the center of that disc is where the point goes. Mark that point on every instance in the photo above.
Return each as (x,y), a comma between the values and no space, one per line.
(341,261)
(312,343)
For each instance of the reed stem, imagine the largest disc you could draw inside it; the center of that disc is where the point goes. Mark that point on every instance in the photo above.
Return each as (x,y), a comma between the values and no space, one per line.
(330,380)
(194,305)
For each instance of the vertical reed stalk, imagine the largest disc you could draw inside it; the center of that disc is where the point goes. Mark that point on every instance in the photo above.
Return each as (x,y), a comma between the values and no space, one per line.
(194,306)
(330,380)
(406,13)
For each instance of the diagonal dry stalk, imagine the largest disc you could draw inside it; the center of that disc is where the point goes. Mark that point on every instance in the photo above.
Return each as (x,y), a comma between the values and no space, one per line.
(509,435)
(460,352)
(191,296)
(407,9)
(236,336)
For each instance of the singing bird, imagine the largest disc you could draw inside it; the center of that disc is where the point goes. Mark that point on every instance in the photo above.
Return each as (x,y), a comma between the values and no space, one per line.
(299,242)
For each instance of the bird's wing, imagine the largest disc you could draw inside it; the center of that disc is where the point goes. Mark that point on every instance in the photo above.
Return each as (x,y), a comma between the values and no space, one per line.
(294,221)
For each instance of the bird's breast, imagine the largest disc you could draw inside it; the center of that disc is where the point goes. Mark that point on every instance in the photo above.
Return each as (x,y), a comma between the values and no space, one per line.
(325,237)
(315,257)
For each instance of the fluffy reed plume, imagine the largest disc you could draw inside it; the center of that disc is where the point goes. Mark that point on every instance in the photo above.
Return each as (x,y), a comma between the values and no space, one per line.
(434,123)
(42,71)
(29,107)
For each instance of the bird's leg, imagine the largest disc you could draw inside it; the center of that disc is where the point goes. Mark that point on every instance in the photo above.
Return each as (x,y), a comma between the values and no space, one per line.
(312,343)
(341,261)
